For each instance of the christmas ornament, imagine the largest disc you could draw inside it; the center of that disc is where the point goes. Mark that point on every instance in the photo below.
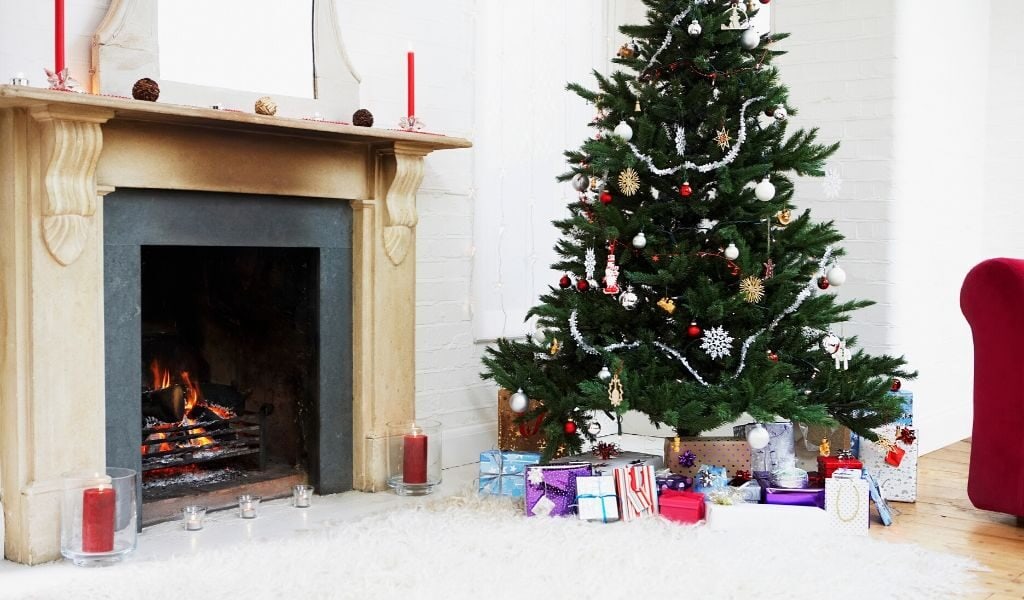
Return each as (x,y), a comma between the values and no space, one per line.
(830,343)
(784,217)
(758,437)
(780,114)
(764,191)
(554,347)
(615,391)
(639,240)
(706,225)
(667,304)
(570,428)
(518,402)
(594,428)
(146,89)
(637,107)
(717,342)
(655,193)
(823,282)
(626,51)
(623,131)
(765,1)
(266,106)
(685,190)
(896,385)
(750,39)
(611,276)
(604,374)
(842,356)
(836,276)
(606,197)
(694,28)
(629,181)
(582,285)
(362,118)
(693,330)
(629,299)
(687,459)
(580,182)
(773,356)
(737,18)
(605,450)
(722,138)
(589,264)
(731,252)
(564,282)
(62,80)
(595,183)
(752,289)
(769,269)
(832,183)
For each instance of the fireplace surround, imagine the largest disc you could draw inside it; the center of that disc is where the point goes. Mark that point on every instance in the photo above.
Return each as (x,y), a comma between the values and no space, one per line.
(62,153)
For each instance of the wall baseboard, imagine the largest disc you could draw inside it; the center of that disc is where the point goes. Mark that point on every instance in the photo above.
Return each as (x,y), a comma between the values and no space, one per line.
(463,445)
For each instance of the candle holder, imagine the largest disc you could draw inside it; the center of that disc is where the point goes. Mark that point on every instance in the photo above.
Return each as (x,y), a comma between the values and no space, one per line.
(248,506)
(97,518)
(414,457)
(19,79)
(192,516)
(302,496)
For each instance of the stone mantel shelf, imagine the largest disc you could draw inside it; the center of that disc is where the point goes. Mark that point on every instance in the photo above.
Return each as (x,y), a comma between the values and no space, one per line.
(137,110)
(61,153)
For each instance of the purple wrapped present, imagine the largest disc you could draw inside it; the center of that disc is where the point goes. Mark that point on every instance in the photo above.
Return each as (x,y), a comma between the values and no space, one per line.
(791,497)
(672,481)
(551,489)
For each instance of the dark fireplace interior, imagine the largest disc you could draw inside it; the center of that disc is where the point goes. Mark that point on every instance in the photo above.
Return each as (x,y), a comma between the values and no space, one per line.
(229,360)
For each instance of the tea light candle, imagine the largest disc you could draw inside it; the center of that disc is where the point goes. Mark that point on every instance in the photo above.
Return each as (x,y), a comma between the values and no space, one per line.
(247,505)
(19,79)
(303,495)
(193,517)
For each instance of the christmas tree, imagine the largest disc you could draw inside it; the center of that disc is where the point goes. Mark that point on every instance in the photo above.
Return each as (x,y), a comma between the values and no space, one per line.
(693,291)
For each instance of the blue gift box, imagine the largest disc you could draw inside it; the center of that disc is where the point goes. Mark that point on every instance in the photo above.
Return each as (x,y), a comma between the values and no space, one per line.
(710,478)
(906,419)
(502,473)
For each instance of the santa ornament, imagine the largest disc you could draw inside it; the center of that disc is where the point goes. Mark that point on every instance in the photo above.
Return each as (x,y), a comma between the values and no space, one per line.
(611,276)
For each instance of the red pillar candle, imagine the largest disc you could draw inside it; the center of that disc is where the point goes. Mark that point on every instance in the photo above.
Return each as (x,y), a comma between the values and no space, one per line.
(414,458)
(98,520)
(58,33)
(411,64)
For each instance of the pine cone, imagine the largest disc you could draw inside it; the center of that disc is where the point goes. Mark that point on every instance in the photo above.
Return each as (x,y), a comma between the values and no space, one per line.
(266,106)
(146,89)
(362,118)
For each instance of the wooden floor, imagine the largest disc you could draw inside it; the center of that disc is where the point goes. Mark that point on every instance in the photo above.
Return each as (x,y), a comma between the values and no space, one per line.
(944,519)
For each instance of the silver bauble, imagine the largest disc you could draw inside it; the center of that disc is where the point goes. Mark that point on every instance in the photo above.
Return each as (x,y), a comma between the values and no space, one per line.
(604,374)
(758,437)
(781,114)
(594,428)
(640,240)
(623,131)
(731,252)
(580,182)
(750,39)
(694,28)
(764,190)
(629,299)
(518,402)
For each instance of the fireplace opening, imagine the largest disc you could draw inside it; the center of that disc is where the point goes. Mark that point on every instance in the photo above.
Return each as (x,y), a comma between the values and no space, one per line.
(228,370)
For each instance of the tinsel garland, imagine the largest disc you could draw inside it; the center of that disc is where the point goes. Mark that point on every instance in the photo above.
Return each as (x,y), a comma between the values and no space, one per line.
(574,331)
(668,36)
(674,354)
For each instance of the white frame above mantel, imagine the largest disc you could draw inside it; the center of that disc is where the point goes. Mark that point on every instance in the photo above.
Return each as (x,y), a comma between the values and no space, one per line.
(125,49)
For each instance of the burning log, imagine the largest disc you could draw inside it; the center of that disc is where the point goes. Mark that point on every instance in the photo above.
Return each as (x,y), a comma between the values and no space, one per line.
(166,404)
(227,396)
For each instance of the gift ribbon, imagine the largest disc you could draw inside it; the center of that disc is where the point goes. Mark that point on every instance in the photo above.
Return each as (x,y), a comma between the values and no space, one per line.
(533,428)
(604,511)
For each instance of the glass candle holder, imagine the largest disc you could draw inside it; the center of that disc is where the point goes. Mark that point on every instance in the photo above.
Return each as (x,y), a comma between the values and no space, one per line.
(98,516)
(414,457)
(302,496)
(248,506)
(192,516)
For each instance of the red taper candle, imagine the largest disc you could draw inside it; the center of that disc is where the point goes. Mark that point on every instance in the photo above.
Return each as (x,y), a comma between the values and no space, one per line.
(411,64)
(58,33)
(98,520)
(414,459)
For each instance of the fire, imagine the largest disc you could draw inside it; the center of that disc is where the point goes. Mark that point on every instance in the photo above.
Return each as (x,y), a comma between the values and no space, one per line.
(163,378)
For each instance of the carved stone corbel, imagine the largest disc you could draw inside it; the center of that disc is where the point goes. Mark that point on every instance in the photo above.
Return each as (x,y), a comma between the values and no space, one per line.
(71,143)
(400,215)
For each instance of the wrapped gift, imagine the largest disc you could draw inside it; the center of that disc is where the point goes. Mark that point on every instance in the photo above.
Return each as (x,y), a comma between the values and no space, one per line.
(683,455)
(892,461)
(783,520)
(520,435)
(667,480)
(779,451)
(503,473)
(809,440)
(749,491)
(844,460)
(789,497)
(605,466)
(846,502)
(551,489)
(637,491)
(683,507)
(906,419)
(596,499)
(710,478)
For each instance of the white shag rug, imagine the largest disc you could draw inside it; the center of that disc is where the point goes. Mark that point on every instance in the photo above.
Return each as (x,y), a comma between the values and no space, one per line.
(470,547)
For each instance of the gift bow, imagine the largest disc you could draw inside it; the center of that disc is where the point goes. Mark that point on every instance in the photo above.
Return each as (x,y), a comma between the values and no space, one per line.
(687,459)
(844,455)
(601,497)
(744,475)
(906,435)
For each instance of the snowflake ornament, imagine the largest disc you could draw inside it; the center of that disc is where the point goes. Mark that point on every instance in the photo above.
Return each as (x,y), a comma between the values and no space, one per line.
(833,183)
(590,263)
(722,138)
(717,342)
(706,225)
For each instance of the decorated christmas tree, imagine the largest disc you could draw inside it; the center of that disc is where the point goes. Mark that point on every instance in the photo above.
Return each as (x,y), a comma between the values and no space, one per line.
(694,289)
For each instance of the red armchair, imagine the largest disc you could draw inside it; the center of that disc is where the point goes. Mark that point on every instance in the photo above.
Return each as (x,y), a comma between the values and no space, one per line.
(992,299)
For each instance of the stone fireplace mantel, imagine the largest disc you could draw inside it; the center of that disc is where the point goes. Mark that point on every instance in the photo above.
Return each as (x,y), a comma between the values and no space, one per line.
(60,153)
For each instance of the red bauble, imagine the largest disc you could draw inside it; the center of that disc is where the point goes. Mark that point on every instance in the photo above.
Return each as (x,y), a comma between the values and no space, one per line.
(773,356)
(606,197)
(765,1)
(896,385)
(570,427)
(582,285)
(693,330)
(564,282)
(685,190)
(823,282)
(712,76)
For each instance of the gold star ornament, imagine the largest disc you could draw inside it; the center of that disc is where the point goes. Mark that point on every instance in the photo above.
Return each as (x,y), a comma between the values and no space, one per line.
(722,138)
(629,181)
(752,289)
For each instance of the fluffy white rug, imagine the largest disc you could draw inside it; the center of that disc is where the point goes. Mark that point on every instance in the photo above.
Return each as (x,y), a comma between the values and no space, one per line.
(468,547)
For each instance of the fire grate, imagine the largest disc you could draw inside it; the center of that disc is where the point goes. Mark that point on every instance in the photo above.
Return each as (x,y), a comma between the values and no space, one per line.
(205,441)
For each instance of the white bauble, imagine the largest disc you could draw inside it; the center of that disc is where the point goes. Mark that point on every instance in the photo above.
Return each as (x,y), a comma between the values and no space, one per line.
(694,28)
(629,299)
(764,190)
(732,252)
(604,374)
(781,114)
(624,131)
(836,276)
(580,182)
(640,240)
(750,39)
(594,428)
(655,193)
(518,402)
(758,437)
(830,343)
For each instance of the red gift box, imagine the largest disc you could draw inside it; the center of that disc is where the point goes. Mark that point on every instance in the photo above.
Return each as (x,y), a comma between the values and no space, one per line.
(828,464)
(895,455)
(684,507)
